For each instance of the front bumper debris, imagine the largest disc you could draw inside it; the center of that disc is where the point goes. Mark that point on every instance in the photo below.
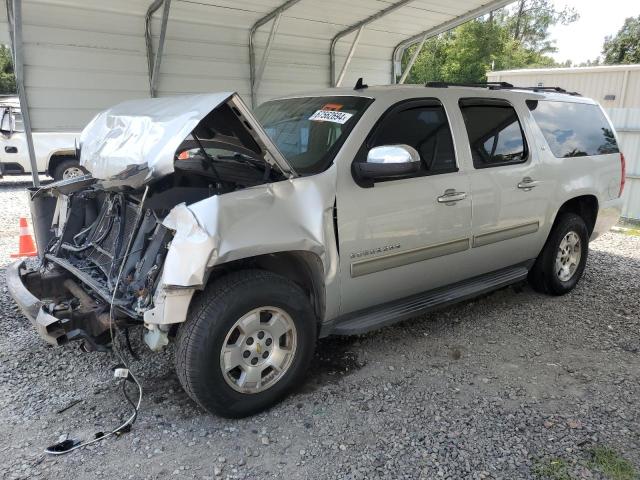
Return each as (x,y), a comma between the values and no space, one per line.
(30,305)
(64,312)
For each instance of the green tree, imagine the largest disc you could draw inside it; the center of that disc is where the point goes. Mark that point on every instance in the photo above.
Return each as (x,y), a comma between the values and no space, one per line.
(530,20)
(507,38)
(430,63)
(624,47)
(7,76)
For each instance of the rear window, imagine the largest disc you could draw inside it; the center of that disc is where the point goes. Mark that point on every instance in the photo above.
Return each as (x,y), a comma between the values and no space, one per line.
(574,129)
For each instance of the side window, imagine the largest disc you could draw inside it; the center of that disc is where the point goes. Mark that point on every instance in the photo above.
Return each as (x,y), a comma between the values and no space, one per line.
(423,125)
(495,134)
(17,121)
(574,129)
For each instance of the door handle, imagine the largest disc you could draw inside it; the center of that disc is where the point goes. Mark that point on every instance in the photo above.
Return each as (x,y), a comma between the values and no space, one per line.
(527,184)
(450,196)
(11,149)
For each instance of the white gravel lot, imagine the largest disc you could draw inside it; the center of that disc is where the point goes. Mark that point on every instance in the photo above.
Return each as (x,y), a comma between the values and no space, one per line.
(497,387)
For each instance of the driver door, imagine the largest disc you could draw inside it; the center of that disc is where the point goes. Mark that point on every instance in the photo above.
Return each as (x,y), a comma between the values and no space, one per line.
(401,236)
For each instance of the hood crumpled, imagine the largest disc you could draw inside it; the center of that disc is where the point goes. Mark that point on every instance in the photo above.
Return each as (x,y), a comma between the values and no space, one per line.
(143,133)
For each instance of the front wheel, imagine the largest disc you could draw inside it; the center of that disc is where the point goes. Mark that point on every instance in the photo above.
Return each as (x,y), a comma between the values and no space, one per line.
(561,263)
(247,341)
(69,168)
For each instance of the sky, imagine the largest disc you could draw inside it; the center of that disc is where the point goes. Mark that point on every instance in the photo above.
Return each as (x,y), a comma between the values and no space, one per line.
(582,40)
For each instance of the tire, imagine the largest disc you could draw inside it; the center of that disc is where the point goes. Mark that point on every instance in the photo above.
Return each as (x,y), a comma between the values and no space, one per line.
(209,327)
(60,170)
(545,276)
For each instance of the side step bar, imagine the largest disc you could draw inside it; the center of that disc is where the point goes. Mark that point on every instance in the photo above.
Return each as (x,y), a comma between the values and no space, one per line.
(380,316)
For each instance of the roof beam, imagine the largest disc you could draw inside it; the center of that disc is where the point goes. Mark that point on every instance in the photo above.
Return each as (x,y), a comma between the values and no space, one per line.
(155,73)
(353,28)
(14,14)
(274,15)
(396,57)
(413,59)
(265,57)
(347,61)
(153,8)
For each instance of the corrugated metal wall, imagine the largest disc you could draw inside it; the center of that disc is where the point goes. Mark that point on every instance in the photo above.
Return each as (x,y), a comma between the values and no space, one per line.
(627,124)
(82,56)
(621,81)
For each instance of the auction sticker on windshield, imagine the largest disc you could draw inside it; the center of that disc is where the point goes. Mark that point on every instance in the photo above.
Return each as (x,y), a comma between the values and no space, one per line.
(330,116)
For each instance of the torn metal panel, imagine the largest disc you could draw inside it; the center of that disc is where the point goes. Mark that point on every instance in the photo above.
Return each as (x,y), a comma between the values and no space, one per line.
(137,140)
(170,305)
(191,247)
(291,215)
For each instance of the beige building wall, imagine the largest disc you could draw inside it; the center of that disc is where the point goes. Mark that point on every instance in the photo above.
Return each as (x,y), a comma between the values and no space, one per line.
(615,86)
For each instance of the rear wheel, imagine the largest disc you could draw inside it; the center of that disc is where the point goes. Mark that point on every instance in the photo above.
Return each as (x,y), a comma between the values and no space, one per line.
(560,265)
(248,340)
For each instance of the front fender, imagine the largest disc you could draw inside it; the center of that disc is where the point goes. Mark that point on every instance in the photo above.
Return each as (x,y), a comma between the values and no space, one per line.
(291,215)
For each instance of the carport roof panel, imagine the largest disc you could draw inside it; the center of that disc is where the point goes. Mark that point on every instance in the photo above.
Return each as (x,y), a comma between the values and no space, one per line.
(82,56)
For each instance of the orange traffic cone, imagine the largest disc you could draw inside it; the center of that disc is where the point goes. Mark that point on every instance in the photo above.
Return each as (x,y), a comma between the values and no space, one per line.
(27,247)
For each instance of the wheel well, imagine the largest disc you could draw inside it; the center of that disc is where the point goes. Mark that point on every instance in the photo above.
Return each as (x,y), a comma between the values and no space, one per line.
(585,206)
(303,268)
(56,159)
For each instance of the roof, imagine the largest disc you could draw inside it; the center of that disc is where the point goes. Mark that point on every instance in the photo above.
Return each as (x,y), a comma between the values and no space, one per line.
(82,56)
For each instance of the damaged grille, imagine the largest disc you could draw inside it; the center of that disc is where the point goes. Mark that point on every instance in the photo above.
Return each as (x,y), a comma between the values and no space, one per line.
(113,229)
(95,237)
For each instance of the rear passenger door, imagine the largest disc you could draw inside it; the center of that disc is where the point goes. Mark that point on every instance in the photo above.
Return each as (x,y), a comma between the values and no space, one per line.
(510,192)
(400,236)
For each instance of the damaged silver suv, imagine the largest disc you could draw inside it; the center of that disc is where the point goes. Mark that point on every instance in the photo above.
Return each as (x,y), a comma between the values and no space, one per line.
(244,237)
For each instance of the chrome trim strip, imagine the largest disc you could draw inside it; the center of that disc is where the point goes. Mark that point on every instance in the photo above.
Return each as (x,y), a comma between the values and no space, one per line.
(505,234)
(399,259)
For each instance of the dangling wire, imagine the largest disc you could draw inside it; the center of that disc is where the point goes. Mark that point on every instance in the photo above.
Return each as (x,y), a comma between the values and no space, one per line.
(55,449)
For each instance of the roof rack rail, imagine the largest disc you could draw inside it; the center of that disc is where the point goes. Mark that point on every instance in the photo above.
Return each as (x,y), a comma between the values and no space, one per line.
(500,86)
(550,89)
(489,85)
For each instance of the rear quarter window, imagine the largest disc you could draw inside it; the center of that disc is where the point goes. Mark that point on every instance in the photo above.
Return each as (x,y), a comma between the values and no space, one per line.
(573,129)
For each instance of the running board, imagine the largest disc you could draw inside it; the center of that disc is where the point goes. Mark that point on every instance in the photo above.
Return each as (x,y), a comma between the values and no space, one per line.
(380,316)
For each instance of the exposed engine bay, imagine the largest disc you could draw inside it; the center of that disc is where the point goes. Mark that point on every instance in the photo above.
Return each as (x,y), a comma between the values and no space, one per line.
(103,260)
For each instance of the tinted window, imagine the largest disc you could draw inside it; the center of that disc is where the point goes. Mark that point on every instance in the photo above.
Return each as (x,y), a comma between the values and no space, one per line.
(573,129)
(18,123)
(425,128)
(310,130)
(495,133)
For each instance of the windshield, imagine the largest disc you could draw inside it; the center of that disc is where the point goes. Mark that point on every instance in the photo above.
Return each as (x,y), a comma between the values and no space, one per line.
(309,131)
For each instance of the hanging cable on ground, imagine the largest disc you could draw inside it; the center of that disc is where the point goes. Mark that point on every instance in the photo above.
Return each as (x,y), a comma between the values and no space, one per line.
(121,371)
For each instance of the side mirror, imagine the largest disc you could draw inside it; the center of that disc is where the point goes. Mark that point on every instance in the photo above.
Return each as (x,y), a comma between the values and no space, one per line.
(388,162)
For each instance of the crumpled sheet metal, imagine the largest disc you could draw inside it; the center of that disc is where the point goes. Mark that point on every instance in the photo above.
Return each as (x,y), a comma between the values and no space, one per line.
(291,215)
(143,132)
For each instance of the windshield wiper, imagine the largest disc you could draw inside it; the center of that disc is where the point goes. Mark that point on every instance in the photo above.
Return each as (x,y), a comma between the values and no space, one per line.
(207,156)
(254,162)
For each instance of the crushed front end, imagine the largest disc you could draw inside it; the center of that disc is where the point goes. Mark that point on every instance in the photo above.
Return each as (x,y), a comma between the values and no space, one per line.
(84,270)
(104,239)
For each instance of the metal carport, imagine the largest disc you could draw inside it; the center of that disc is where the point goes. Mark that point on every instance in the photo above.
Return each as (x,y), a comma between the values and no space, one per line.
(82,56)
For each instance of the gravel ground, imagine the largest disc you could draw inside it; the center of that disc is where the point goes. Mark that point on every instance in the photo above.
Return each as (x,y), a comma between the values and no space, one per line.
(500,387)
